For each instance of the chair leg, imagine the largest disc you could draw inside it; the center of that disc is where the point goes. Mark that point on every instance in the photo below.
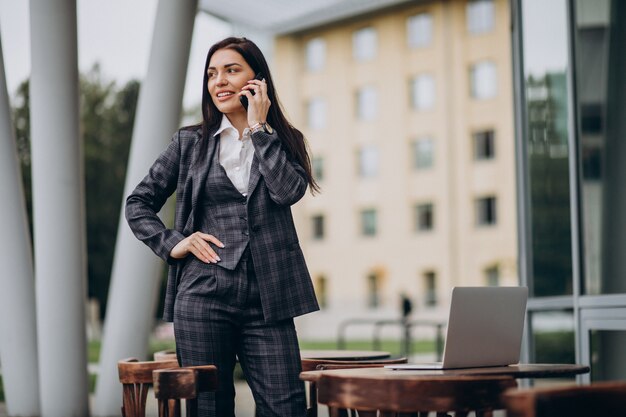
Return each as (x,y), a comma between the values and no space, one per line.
(312,409)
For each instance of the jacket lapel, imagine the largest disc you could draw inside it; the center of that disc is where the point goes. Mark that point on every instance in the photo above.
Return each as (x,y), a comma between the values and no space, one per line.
(255,174)
(201,157)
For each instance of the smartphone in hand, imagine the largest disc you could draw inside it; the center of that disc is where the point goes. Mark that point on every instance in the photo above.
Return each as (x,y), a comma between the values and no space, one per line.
(244,99)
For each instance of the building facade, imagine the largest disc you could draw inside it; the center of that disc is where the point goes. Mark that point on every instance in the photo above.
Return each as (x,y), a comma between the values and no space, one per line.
(409,115)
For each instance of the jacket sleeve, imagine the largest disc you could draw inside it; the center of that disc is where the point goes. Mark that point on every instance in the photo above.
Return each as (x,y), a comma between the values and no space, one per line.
(143,204)
(286,180)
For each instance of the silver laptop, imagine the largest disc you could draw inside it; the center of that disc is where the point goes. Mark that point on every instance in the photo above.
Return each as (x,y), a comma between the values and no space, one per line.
(484,328)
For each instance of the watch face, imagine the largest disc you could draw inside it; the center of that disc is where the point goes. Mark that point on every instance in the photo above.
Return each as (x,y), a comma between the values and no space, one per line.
(268,128)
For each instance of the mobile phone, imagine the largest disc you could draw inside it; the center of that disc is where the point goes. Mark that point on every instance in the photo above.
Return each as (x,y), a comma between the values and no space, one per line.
(244,99)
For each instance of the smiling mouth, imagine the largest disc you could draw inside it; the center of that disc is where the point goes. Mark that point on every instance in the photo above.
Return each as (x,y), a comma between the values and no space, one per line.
(225,95)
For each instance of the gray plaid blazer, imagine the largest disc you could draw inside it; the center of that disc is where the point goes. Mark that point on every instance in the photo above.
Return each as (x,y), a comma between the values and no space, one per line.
(275,184)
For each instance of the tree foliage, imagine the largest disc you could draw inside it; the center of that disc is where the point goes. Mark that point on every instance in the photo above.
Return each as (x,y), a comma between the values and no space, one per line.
(107,114)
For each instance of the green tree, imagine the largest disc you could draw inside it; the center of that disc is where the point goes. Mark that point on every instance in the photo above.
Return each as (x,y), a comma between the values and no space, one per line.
(107,114)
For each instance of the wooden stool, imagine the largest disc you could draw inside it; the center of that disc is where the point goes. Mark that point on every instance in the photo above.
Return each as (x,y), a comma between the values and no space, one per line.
(416,396)
(597,399)
(320,364)
(173,385)
(136,379)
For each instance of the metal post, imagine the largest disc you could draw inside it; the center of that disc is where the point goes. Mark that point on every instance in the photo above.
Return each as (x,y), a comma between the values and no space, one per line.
(136,270)
(58,209)
(18,335)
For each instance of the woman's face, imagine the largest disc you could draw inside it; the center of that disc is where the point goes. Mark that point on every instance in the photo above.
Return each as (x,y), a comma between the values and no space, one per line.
(227,73)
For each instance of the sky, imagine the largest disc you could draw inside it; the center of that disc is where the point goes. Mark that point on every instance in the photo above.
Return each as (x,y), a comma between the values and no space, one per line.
(114,33)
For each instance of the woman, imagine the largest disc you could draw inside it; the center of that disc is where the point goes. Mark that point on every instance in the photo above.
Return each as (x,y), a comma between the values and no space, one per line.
(237,274)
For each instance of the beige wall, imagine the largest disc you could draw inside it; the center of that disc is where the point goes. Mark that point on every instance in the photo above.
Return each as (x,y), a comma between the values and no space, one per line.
(457,250)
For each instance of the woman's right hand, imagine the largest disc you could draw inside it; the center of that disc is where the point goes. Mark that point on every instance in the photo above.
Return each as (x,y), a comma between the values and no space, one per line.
(197,245)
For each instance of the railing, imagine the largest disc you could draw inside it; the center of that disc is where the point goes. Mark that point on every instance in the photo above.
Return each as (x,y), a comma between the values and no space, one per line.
(406,325)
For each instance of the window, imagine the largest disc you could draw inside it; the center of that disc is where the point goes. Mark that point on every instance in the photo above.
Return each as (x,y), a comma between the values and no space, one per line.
(492,276)
(424,217)
(321,289)
(368,222)
(480,16)
(317,166)
(423,92)
(430,288)
(315,54)
(483,82)
(316,113)
(364,44)
(367,103)
(318,226)
(419,30)
(485,211)
(422,153)
(373,290)
(484,146)
(368,161)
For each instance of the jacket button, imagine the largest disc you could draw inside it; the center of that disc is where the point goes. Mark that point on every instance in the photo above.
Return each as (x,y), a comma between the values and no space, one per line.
(246,233)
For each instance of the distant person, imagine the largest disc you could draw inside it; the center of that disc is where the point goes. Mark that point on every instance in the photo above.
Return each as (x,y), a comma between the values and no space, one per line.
(237,274)
(406,305)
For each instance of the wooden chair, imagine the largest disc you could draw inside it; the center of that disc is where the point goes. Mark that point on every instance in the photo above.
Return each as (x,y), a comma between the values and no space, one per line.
(321,364)
(136,379)
(412,397)
(173,385)
(597,399)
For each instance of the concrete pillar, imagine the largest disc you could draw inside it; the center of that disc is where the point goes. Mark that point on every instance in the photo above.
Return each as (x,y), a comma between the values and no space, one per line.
(58,209)
(18,336)
(136,273)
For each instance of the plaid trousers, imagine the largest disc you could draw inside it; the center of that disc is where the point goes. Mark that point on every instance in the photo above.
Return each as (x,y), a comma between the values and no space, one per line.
(218,317)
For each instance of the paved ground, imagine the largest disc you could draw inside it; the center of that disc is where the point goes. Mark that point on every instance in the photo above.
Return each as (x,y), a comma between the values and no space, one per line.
(244,404)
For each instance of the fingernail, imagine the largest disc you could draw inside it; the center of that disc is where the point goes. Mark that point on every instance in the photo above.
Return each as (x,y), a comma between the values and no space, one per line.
(207,261)
(222,245)
(218,258)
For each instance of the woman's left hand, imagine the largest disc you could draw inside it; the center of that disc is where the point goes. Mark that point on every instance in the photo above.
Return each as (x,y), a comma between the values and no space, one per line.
(259,103)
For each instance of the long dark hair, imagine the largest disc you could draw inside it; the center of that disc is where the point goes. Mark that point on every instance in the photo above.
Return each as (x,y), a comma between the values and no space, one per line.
(292,139)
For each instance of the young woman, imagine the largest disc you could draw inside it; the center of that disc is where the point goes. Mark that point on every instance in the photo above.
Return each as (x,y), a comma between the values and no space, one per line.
(237,274)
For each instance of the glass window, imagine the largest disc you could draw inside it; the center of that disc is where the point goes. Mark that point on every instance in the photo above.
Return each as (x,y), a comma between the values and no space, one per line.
(315,54)
(368,161)
(373,290)
(601,100)
(424,217)
(492,276)
(483,80)
(608,362)
(423,92)
(317,166)
(367,103)
(368,222)
(545,140)
(484,146)
(430,288)
(419,29)
(423,153)
(317,113)
(486,211)
(480,16)
(553,337)
(317,223)
(364,44)
(321,290)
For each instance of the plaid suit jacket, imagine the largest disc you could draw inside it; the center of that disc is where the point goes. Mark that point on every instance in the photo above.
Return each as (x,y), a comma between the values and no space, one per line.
(275,184)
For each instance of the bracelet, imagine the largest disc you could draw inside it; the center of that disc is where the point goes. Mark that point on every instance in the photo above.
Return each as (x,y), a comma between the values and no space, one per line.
(256,126)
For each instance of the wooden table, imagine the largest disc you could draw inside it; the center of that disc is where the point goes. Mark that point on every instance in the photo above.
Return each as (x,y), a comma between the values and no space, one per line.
(344,355)
(363,385)
(520,371)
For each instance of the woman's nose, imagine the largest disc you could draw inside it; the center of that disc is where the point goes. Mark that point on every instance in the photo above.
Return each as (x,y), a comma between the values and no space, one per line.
(220,79)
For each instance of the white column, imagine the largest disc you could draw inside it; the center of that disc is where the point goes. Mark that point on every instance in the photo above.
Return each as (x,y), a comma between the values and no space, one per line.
(136,273)
(18,337)
(58,209)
